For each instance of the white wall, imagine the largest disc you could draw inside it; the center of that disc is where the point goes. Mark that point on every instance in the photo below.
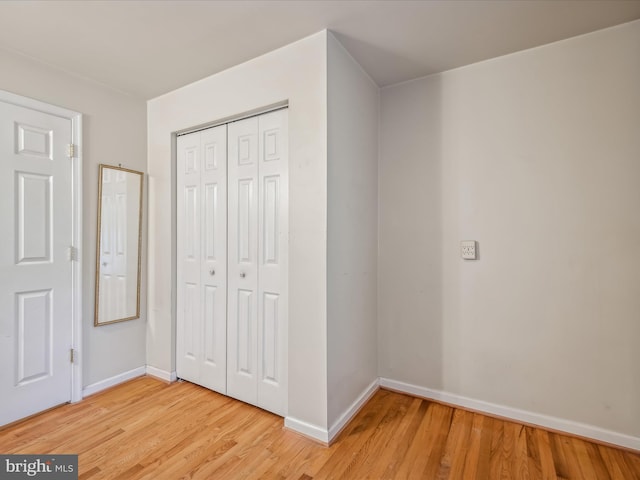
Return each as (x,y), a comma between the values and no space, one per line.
(114,131)
(537,156)
(352,247)
(297,74)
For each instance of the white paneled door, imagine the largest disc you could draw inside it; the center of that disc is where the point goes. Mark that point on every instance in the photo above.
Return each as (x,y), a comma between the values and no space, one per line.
(243,260)
(36,301)
(202,258)
(258,246)
(232,259)
(273,248)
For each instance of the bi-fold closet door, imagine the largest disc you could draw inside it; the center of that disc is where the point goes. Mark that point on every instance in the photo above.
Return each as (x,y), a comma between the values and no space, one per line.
(201,347)
(232,209)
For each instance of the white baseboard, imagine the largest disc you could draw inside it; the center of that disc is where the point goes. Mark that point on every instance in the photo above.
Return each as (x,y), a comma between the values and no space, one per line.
(112,381)
(307,429)
(545,421)
(123,377)
(161,374)
(326,436)
(346,417)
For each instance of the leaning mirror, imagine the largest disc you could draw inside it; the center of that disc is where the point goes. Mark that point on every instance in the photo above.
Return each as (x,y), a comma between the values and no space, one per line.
(118,245)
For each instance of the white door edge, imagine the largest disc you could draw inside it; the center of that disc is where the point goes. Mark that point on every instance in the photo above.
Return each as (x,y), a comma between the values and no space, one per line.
(76,179)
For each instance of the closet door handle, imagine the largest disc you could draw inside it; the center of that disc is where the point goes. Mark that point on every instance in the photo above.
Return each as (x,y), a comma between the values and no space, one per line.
(242,275)
(212,272)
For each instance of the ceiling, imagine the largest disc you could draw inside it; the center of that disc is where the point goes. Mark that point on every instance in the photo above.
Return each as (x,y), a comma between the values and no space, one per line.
(147,48)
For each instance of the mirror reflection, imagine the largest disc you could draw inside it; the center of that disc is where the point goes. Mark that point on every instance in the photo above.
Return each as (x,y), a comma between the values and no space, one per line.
(118,245)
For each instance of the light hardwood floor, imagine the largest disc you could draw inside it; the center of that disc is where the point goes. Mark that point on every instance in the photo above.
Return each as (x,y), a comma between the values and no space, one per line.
(146,429)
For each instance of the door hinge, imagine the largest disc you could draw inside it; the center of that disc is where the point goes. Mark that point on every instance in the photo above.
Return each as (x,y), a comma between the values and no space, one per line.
(72,356)
(71,150)
(73,253)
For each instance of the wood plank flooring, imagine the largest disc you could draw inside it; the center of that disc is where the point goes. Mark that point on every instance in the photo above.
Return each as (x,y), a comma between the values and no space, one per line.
(146,429)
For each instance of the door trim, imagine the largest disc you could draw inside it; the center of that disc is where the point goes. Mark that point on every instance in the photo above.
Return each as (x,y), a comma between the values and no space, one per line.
(256,112)
(76,213)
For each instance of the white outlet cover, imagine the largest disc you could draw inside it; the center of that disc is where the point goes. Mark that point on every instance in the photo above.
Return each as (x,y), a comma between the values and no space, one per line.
(468,249)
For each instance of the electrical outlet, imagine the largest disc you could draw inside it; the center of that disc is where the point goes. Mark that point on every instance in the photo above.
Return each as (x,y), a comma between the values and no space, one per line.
(468,249)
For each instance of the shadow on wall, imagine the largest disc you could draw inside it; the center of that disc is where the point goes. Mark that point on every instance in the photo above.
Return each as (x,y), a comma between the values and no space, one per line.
(410,287)
(370,54)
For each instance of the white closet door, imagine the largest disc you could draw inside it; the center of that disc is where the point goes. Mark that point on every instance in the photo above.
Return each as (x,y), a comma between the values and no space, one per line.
(188,262)
(272,259)
(201,264)
(232,259)
(258,245)
(242,328)
(213,270)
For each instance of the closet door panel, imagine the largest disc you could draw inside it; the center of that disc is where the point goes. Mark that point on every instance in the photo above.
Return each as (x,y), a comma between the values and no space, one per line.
(213,267)
(202,258)
(189,325)
(272,259)
(242,318)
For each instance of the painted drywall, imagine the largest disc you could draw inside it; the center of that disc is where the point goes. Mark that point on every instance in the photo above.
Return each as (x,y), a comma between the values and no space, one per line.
(297,74)
(114,131)
(352,246)
(536,156)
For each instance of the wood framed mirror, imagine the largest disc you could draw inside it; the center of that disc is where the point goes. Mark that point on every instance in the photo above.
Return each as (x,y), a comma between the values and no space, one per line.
(119,243)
